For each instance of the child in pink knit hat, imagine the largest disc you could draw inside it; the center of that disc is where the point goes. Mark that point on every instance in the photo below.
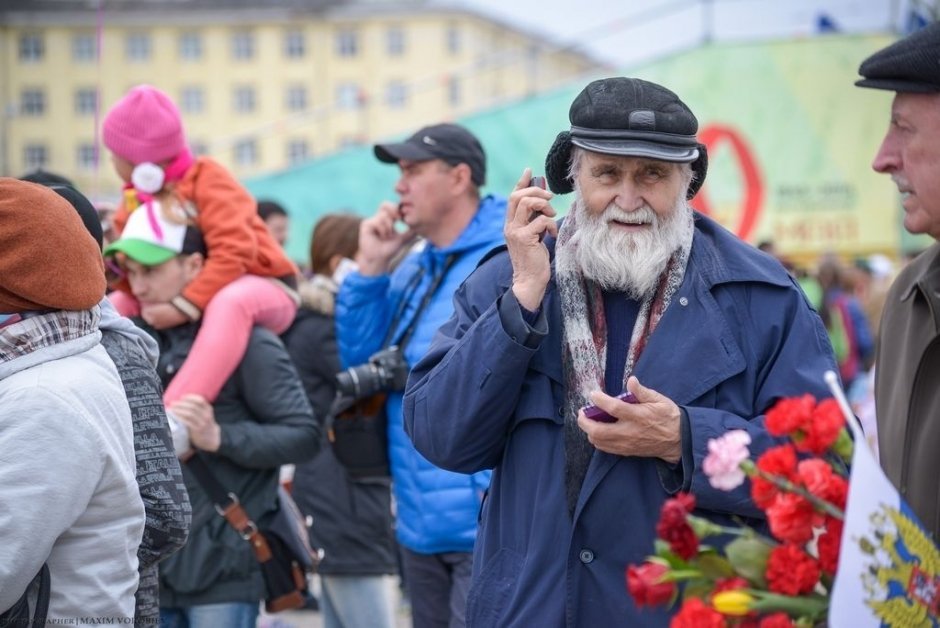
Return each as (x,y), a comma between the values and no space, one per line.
(247,278)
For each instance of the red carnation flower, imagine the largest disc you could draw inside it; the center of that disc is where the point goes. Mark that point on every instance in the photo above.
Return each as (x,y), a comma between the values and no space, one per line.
(779,461)
(695,614)
(823,429)
(828,544)
(789,414)
(644,584)
(674,528)
(777,620)
(820,480)
(791,518)
(791,571)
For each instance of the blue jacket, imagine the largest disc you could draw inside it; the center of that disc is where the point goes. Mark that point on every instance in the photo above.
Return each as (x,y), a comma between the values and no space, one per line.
(738,335)
(437,509)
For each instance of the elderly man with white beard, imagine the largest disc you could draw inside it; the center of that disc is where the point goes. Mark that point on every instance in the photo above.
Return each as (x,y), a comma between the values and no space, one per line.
(634,292)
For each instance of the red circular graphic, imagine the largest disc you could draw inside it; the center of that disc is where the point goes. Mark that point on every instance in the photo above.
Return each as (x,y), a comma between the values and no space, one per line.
(712,136)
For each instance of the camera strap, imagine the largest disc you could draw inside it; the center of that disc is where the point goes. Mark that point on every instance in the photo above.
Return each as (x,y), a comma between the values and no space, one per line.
(425,300)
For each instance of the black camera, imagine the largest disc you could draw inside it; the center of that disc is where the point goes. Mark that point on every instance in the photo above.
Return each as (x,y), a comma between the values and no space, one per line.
(386,370)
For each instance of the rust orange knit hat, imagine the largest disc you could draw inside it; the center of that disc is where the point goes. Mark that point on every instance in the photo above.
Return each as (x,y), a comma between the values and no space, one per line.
(48,260)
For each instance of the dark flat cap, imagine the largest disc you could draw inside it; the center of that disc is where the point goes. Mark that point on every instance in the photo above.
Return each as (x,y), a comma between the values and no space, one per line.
(629,117)
(911,64)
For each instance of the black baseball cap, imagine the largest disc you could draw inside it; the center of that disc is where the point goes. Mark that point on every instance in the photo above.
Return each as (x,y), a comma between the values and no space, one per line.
(911,64)
(448,142)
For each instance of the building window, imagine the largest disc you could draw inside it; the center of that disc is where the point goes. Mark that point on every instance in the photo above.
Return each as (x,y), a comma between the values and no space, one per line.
(243,45)
(32,47)
(295,44)
(137,47)
(84,48)
(453,39)
(296,98)
(190,46)
(297,152)
(86,101)
(395,41)
(453,91)
(396,95)
(192,99)
(347,96)
(32,102)
(244,99)
(246,153)
(86,157)
(35,156)
(347,43)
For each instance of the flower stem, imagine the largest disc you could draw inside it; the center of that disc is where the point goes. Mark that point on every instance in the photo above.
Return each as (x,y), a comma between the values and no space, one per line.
(806,606)
(784,484)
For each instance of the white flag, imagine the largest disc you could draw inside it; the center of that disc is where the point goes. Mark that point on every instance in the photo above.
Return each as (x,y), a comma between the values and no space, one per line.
(889,568)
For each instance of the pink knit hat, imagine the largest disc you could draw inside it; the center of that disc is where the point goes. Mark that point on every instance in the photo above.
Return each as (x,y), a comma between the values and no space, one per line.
(144,125)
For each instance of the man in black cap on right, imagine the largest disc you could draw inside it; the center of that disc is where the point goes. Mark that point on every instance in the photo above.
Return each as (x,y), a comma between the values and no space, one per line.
(907,367)
(633,292)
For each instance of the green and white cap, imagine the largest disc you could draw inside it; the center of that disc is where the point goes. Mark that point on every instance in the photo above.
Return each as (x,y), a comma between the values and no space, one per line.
(150,238)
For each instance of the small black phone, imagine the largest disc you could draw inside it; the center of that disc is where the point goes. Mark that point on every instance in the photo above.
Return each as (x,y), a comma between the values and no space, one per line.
(538,182)
(596,414)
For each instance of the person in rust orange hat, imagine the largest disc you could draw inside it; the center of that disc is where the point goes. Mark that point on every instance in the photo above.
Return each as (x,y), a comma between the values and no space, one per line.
(68,485)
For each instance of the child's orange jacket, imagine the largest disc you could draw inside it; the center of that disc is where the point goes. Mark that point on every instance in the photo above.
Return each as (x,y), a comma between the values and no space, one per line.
(237,240)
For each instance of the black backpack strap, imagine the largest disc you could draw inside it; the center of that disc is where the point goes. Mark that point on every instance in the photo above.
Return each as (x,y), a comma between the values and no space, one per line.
(18,615)
(42,599)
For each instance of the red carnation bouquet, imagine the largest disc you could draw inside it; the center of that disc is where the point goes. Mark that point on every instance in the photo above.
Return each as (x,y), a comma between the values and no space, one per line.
(755,580)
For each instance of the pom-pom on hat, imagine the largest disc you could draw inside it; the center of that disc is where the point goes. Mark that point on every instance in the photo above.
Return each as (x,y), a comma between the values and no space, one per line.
(143,126)
(630,117)
(49,260)
(911,64)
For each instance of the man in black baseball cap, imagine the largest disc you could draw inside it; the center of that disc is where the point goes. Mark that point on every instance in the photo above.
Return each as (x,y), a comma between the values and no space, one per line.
(907,367)
(673,329)
(442,168)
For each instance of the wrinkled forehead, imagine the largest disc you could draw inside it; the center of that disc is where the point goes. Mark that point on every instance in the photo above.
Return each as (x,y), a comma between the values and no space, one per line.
(626,162)
(914,104)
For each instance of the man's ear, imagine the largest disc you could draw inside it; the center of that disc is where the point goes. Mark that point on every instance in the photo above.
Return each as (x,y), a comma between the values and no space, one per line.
(462,177)
(192,264)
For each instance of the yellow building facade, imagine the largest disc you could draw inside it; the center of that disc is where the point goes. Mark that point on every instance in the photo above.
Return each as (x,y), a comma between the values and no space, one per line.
(262,87)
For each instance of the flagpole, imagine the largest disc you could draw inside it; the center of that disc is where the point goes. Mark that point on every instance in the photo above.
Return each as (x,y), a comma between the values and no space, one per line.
(832,380)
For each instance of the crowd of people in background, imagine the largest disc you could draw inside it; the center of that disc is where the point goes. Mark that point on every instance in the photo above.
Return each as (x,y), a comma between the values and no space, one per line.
(468,331)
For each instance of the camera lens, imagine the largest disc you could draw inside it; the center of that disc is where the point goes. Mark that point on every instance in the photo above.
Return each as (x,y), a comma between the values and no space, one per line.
(360,381)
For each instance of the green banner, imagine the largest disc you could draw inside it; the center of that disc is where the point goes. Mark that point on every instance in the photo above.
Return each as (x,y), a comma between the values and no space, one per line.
(790,142)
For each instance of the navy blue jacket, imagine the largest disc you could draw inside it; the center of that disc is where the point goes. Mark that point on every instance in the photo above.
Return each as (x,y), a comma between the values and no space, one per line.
(738,335)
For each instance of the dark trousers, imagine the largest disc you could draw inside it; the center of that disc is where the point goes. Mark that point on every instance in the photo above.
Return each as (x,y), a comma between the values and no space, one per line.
(437,586)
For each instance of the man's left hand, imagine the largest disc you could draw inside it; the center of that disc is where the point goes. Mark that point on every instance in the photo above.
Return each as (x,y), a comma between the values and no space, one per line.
(162,315)
(197,414)
(649,428)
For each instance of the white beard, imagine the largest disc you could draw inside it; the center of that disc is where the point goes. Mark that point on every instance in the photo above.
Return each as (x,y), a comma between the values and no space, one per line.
(630,262)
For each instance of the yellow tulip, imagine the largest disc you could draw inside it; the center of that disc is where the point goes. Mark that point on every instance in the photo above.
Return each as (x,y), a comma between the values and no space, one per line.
(735,603)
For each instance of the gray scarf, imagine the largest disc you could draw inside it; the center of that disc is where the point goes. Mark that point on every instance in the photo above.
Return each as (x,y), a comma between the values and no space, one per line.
(584,345)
